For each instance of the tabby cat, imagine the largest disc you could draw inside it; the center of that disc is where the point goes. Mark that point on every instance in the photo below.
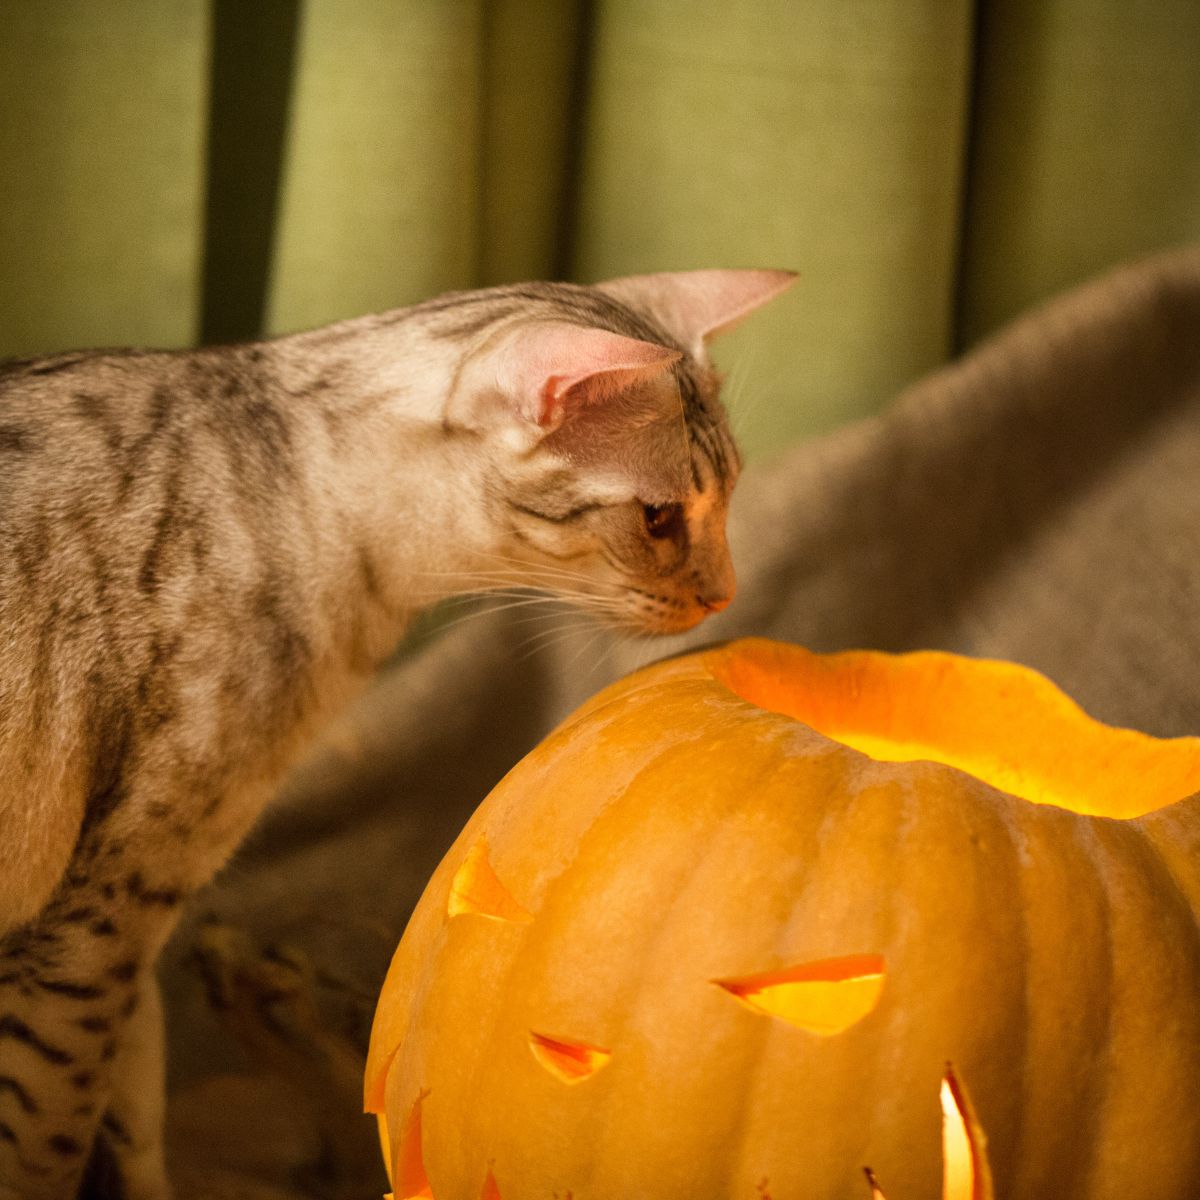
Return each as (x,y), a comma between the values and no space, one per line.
(204,553)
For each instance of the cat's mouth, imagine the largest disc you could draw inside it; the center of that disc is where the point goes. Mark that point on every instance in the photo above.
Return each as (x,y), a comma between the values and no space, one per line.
(664,616)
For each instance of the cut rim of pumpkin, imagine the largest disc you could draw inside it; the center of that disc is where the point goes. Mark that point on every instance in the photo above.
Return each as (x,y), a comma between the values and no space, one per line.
(825,996)
(1001,723)
(568,1061)
(476,890)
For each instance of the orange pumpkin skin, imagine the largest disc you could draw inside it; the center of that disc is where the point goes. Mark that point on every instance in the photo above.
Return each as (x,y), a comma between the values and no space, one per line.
(672,840)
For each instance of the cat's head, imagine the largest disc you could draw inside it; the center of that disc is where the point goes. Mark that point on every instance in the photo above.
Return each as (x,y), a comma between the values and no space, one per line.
(609,460)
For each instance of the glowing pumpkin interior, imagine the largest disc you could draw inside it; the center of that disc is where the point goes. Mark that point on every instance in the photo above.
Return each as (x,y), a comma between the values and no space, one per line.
(1002,723)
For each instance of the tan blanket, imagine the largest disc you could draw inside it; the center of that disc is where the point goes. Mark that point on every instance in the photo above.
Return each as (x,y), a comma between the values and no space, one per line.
(1038,501)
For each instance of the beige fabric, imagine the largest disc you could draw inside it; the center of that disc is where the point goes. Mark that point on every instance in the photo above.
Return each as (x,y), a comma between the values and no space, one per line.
(1039,501)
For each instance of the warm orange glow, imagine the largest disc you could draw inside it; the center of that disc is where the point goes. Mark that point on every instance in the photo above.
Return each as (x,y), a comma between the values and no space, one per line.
(958,1166)
(1007,775)
(965,1172)
(385,1141)
(409,1180)
(571,1062)
(825,996)
(873,1184)
(1002,723)
(477,890)
(490,1190)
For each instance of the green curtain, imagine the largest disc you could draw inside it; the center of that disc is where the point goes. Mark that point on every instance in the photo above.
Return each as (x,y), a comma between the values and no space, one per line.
(174,171)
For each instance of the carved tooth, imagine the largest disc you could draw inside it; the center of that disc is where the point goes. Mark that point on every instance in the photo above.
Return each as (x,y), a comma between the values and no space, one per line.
(966,1174)
(410,1180)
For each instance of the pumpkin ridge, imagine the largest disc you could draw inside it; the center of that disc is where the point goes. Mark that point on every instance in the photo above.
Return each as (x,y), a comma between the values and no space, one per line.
(1135,902)
(663,930)
(1017,884)
(758,1108)
(1100,1073)
(1173,843)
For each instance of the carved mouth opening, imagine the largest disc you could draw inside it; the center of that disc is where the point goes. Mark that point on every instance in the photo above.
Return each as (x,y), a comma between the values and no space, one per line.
(1002,723)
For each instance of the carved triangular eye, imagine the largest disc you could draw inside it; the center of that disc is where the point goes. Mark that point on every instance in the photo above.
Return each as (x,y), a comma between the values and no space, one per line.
(476,889)
(570,1062)
(411,1182)
(490,1190)
(826,996)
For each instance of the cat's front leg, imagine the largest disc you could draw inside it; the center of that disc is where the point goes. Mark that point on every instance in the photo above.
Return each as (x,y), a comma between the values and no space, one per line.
(72,985)
(133,1122)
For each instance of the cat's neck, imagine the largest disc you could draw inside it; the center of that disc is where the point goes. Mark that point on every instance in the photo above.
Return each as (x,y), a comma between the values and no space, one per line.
(405,494)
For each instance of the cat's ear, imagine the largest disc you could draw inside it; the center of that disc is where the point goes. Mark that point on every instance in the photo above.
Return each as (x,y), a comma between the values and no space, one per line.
(695,306)
(547,369)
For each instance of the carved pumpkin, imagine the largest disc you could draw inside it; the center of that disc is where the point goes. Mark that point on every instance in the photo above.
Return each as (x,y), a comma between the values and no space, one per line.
(760,923)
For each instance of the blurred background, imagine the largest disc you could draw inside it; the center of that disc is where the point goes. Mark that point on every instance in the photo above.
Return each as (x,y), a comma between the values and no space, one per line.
(177,171)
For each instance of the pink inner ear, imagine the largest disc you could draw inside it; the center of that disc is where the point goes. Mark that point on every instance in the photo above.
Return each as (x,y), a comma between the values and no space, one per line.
(554,365)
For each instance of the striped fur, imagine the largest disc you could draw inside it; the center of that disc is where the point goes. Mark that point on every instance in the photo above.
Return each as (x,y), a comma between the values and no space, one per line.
(203,554)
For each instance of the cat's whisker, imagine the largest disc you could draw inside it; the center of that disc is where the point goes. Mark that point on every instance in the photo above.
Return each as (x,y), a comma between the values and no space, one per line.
(605,659)
(734,393)
(532,596)
(547,639)
(764,389)
(587,645)
(543,603)
(586,607)
(475,583)
(542,639)
(515,577)
(542,572)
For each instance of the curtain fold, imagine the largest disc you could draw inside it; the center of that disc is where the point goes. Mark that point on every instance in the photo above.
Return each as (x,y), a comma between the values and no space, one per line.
(1085,148)
(250,95)
(179,169)
(380,197)
(533,63)
(102,137)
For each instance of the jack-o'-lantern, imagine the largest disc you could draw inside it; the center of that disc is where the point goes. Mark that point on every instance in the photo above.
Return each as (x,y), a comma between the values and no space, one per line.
(760,923)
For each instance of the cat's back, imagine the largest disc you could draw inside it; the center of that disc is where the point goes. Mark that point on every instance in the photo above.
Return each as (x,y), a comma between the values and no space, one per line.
(94,447)
(137,488)
(51,407)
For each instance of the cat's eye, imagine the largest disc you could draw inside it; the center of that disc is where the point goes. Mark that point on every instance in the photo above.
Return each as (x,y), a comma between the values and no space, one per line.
(662,520)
